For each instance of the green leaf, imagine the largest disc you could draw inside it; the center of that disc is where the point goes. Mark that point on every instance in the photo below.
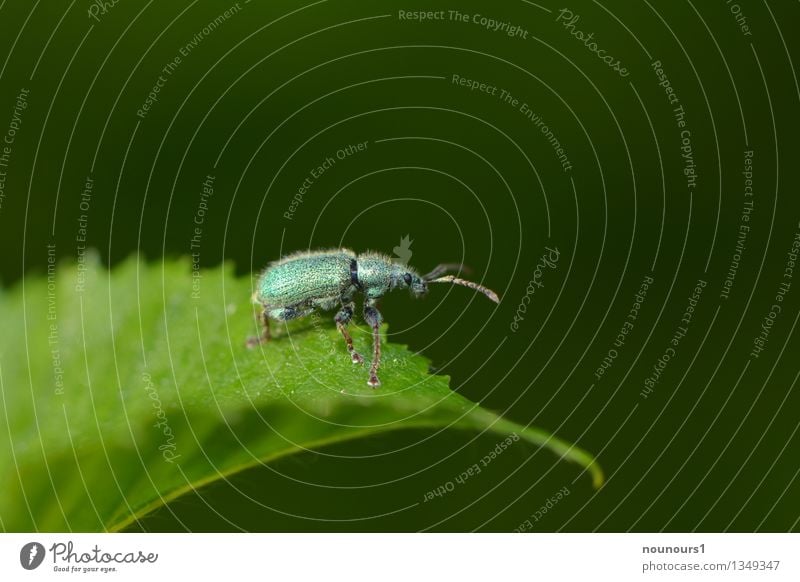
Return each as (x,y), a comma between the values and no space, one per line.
(123,390)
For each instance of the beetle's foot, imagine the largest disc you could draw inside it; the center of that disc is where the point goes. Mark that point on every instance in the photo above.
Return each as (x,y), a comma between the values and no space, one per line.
(254,341)
(357,358)
(373,381)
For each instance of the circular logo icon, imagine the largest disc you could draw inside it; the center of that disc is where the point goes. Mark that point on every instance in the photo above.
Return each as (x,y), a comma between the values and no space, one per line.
(31,555)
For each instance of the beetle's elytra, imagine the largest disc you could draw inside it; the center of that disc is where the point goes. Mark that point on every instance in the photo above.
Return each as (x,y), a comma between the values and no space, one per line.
(303,282)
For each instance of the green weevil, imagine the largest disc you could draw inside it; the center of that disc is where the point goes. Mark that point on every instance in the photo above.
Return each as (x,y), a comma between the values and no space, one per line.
(303,282)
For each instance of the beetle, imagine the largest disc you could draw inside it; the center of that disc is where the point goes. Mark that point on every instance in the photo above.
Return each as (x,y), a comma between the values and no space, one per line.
(303,282)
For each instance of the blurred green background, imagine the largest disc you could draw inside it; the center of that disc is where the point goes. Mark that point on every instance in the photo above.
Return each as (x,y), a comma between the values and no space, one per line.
(264,93)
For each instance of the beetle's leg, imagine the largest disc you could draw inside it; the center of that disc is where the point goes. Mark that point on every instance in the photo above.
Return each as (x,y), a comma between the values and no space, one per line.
(373,317)
(342,319)
(265,334)
(278,314)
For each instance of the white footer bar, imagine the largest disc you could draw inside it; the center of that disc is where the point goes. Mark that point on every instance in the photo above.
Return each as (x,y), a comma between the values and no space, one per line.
(401,557)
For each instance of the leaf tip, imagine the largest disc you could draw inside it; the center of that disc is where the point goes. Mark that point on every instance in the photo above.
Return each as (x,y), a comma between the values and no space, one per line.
(598,477)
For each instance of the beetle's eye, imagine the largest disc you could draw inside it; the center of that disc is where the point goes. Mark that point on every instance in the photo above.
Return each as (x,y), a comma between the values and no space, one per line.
(407,278)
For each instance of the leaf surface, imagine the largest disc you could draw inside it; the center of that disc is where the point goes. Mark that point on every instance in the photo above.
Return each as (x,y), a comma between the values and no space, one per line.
(123,390)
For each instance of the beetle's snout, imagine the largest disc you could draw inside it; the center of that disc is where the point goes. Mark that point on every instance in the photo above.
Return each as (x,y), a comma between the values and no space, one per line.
(419,287)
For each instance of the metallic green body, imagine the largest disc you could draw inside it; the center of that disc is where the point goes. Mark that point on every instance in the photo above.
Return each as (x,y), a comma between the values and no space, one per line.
(299,283)
(301,279)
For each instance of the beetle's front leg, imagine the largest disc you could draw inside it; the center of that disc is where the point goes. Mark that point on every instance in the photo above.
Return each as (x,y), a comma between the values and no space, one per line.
(373,317)
(342,319)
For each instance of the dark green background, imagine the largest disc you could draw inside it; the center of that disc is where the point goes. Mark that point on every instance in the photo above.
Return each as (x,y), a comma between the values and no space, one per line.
(285,84)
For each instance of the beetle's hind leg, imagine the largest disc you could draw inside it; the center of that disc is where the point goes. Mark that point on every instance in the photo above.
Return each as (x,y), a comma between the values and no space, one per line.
(342,319)
(373,317)
(265,336)
(278,314)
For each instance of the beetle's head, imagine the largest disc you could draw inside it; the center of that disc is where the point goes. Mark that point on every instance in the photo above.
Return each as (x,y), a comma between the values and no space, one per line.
(406,278)
(418,285)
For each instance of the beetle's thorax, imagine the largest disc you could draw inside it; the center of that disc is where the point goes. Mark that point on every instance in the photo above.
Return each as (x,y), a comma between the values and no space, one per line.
(378,274)
(375,275)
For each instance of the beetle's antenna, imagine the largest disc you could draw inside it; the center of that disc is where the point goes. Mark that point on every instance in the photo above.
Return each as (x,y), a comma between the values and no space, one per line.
(440,270)
(456,281)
